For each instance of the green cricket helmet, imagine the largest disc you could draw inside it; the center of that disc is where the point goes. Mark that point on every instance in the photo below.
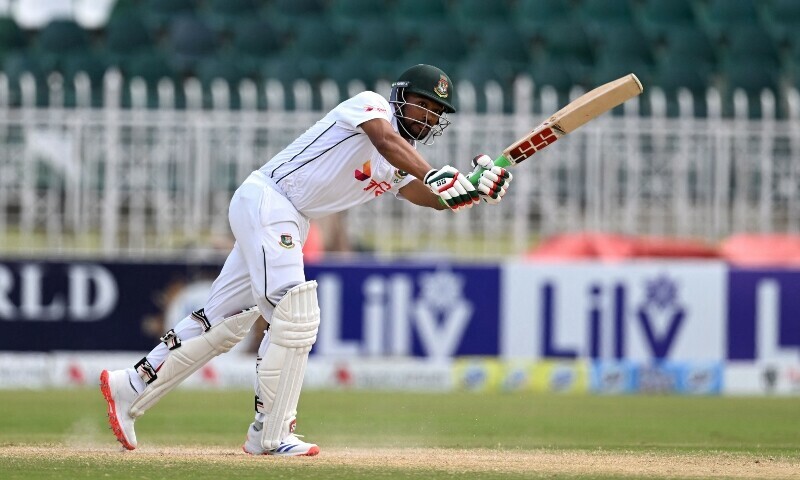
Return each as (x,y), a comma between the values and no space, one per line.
(429,82)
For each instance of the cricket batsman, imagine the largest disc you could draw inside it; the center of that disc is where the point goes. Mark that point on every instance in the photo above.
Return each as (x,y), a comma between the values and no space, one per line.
(363,148)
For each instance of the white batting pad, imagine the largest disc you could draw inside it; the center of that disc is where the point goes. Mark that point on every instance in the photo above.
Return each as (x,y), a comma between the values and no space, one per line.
(193,354)
(292,330)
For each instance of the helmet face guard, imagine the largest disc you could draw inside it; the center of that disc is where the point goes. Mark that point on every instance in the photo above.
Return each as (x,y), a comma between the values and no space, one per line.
(432,84)
(433,123)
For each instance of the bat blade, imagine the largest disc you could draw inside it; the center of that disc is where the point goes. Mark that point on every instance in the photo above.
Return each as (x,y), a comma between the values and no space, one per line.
(588,106)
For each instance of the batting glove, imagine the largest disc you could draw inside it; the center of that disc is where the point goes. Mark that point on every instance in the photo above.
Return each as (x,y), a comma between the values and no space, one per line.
(452,187)
(494,180)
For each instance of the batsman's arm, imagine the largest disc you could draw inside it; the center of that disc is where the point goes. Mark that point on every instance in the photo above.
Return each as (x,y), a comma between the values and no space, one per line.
(418,193)
(393,148)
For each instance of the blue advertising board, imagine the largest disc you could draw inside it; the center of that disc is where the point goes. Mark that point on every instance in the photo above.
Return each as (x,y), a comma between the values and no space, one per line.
(369,309)
(764,314)
(641,312)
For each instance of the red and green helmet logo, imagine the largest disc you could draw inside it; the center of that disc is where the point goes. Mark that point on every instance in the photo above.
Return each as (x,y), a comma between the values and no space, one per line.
(441,87)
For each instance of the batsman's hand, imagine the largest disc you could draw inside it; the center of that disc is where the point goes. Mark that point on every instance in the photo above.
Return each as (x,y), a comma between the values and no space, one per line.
(494,180)
(453,187)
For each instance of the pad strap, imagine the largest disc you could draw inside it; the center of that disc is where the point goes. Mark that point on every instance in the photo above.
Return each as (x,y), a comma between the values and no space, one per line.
(200,316)
(171,339)
(146,371)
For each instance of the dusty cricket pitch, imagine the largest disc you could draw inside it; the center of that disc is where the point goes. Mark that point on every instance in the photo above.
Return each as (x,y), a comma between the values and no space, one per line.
(453,461)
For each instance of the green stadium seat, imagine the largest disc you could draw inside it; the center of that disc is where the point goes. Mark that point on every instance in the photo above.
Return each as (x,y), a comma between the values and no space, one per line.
(316,40)
(288,14)
(438,45)
(126,36)
(498,42)
(224,16)
(379,46)
(412,15)
(190,40)
(350,15)
(12,37)
(573,50)
(623,43)
(473,15)
(254,40)
(751,42)
(725,16)
(690,42)
(658,17)
(58,39)
(160,13)
(598,15)
(531,16)
(782,20)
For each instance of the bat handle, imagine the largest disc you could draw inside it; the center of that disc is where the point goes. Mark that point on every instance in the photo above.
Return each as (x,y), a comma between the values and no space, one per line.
(500,161)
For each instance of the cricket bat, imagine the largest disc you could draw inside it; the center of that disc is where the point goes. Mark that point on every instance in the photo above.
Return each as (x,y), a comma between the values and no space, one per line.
(584,108)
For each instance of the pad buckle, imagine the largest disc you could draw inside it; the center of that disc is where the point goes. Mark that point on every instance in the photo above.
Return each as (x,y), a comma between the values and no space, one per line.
(171,340)
(200,316)
(146,371)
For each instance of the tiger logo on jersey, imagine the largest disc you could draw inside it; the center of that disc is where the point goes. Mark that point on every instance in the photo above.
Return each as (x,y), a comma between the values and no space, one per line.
(399,175)
(286,241)
(441,87)
(364,173)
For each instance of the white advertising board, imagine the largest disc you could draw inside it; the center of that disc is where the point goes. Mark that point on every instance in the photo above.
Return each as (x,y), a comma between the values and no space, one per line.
(620,311)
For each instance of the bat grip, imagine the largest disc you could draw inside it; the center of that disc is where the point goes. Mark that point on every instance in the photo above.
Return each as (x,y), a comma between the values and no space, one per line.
(500,161)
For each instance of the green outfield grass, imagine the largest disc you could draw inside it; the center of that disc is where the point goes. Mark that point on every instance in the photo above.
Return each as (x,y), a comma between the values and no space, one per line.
(74,421)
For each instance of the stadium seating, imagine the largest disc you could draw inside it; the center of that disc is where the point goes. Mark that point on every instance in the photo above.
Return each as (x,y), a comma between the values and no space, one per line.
(348,16)
(783,20)
(253,41)
(226,16)
(412,15)
(531,16)
(376,39)
(11,37)
(658,17)
(723,17)
(191,40)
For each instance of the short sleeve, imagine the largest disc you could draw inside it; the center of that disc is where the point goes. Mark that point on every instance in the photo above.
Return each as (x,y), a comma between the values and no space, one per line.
(363,107)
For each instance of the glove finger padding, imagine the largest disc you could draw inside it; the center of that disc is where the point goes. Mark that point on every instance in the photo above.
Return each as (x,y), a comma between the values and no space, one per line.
(452,187)
(494,180)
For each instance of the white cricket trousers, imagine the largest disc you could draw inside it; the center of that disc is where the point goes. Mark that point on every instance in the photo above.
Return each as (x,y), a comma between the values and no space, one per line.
(266,260)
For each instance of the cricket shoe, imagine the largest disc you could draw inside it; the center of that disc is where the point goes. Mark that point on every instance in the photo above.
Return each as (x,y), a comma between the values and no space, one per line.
(119,394)
(291,446)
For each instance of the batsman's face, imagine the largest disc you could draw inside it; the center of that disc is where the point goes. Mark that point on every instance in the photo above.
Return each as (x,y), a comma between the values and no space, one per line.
(421,114)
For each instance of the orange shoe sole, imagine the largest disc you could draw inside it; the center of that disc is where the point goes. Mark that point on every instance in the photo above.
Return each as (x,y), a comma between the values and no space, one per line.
(105,388)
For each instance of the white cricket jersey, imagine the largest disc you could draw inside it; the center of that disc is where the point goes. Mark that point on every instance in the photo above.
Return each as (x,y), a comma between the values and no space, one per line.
(333,166)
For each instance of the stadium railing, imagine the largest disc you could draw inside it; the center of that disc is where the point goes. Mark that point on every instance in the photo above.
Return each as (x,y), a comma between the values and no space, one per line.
(155,182)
